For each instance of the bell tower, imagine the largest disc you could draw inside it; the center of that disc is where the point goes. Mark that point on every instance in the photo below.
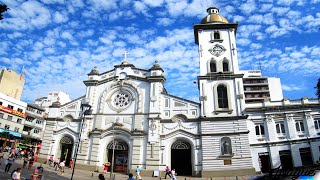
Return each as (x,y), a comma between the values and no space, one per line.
(220,83)
(224,132)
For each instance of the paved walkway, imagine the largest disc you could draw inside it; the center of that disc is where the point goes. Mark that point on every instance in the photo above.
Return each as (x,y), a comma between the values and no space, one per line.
(87,175)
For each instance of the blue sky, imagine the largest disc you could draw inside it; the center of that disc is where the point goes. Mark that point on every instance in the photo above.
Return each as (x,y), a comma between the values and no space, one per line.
(59,41)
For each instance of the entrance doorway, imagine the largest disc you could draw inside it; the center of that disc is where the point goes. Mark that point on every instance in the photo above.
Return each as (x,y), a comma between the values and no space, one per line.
(305,154)
(264,160)
(66,147)
(286,160)
(120,156)
(181,158)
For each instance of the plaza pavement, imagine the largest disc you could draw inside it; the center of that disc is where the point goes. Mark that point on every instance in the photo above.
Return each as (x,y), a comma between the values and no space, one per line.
(51,174)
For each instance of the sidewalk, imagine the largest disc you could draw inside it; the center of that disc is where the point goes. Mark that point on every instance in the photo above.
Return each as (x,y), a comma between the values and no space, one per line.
(87,175)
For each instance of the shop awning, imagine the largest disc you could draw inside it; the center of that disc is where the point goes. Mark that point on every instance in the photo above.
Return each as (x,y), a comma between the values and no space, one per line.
(10,132)
(20,146)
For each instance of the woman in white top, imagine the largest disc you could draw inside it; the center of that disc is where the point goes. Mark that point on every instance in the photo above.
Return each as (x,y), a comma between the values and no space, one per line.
(9,162)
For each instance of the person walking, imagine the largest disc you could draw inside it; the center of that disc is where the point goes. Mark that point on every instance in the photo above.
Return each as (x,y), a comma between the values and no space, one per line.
(50,160)
(16,174)
(168,172)
(71,164)
(173,174)
(31,161)
(56,164)
(138,171)
(61,167)
(1,155)
(9,162)
(25,161)
(106,168)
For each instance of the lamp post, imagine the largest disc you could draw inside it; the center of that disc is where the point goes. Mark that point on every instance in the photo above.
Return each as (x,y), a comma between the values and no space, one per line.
(113,146)
(85,110)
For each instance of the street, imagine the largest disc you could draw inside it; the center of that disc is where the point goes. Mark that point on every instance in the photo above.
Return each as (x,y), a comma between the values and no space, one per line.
(26,173)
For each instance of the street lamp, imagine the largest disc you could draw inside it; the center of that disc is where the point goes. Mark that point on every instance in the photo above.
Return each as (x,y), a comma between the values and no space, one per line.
(113,144)
(85,110)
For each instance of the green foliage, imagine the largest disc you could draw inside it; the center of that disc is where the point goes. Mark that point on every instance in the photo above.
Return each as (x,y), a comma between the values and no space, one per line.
(3,8)
(318,89)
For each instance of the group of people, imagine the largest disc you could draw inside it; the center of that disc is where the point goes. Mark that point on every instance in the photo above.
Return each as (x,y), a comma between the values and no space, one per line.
(170,173)
(60,165)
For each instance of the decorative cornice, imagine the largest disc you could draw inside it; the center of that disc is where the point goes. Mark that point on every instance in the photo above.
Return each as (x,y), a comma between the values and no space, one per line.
(224,118)
(220,76)
(197,27)
(161,79)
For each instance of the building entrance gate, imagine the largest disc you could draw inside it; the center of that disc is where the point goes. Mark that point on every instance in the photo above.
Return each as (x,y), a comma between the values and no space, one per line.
(181,158)
(66,147)
(264,160)
(286,160)
(120,156)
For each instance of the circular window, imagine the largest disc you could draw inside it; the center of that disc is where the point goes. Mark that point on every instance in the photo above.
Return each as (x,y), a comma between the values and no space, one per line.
(121,99)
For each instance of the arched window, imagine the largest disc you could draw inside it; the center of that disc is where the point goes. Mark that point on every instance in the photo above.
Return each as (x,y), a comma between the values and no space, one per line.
(216,35)
(213,66)
(225,66)
(260,130)
(222,96)
(280,128)
(299,127)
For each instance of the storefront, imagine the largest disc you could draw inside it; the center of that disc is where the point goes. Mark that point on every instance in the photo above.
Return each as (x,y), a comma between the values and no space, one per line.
(9,138)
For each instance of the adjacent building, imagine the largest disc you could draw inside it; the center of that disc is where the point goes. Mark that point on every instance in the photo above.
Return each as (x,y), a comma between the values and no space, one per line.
(242,124)
(12,117)
(11,83)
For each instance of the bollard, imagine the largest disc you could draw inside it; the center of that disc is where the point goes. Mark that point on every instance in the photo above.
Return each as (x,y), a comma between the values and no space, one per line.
(236,177)
(92,174)
(210,178)
(114,177)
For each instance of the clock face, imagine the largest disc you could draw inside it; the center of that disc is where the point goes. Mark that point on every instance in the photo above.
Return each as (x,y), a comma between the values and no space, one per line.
(217,50)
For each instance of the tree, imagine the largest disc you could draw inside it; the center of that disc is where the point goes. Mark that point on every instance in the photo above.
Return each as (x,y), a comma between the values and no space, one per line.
(318,89)
(3,8)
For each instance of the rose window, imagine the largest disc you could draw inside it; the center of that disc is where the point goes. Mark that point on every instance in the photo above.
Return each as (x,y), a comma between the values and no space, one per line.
(122,99)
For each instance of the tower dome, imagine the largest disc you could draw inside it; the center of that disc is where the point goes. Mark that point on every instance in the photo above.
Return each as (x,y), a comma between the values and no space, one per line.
(214,17)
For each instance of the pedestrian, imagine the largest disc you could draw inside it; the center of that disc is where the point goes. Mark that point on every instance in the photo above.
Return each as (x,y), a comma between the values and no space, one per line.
(31,161)
(101,177)
(50,160)
(105,169)
(71,164)
(138,171)
(8,163)
(173,174)
(25,161)
(1,155)
(61,167)
(16,174)
(168,172)
(56,164)
(130,176)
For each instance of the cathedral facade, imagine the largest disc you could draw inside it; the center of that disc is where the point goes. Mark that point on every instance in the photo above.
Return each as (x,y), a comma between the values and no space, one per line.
(237,128)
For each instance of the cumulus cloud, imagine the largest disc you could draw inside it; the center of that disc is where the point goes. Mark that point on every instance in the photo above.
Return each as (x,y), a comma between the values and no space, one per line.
(29,15)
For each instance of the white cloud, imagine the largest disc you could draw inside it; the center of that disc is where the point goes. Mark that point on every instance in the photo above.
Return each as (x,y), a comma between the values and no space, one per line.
(28,15)
(59,17)
(165,21)
(248,7)
(290,87)
(67,35)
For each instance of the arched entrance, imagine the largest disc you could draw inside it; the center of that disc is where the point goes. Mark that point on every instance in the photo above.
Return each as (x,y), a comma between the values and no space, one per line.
(181,158)
(66,147)
(120,155)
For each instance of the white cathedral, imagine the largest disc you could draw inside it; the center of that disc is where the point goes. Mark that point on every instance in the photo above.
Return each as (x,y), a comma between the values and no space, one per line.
(241,126)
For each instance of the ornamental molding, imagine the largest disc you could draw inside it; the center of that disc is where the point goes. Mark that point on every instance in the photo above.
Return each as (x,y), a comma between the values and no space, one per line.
(109,92)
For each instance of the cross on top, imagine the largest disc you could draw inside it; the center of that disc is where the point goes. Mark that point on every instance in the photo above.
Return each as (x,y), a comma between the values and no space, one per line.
(125,54)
